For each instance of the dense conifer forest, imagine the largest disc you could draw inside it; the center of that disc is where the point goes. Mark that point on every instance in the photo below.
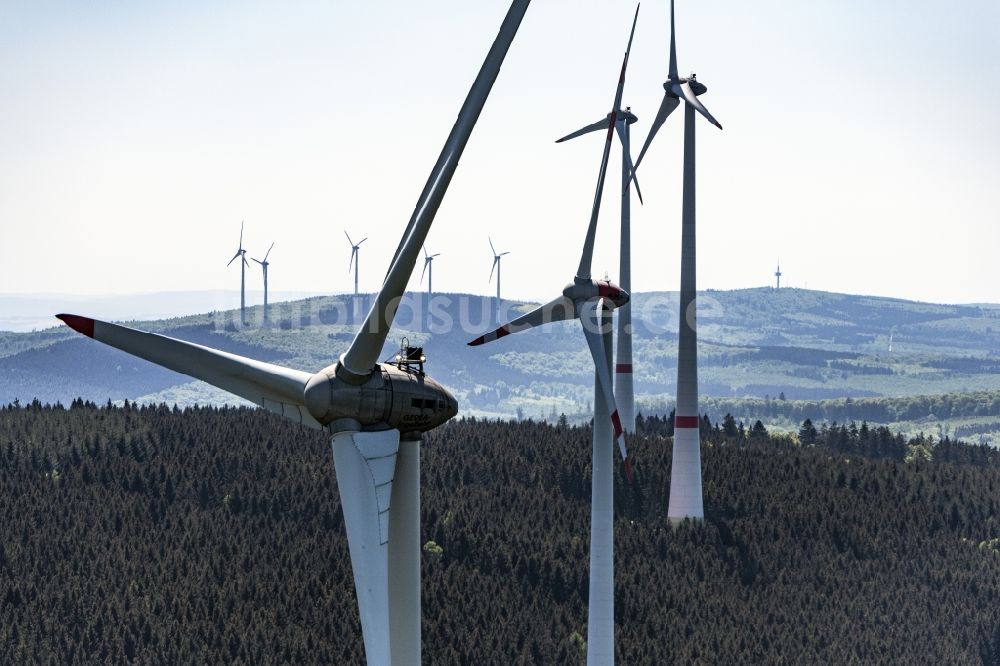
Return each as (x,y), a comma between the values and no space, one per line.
(211,536)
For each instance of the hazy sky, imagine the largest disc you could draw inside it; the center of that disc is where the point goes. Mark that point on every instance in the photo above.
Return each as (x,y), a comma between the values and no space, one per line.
(861,143)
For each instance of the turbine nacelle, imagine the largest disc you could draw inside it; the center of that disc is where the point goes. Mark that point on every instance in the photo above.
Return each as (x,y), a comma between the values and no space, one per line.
(391,396)
(696,86)
(588,290)
(624,114)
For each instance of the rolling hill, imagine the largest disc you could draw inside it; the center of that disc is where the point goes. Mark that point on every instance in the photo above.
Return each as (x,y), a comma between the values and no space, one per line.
(758,347)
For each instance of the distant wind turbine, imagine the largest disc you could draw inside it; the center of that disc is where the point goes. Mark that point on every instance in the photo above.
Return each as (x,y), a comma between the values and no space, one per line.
(354,259)
(496,267)
(264,264)
(429,270)
(777,275)
(241,253)
(685,475)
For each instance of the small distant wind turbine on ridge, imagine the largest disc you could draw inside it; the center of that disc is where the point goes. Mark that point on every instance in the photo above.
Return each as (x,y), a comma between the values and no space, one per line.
(591,301)
(496,267)
(241,253)
(264,264)
(429,270)
(355,258)
(685,475)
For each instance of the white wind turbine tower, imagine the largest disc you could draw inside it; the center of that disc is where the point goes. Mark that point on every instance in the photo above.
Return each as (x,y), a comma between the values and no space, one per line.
(375,412)
(624,392)
(264,264)
(685,476)
(591,301)
(241,253)
(496,267)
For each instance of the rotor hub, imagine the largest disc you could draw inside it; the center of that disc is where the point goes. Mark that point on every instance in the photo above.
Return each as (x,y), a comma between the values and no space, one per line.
(587,290)
(697,86)
(626,115)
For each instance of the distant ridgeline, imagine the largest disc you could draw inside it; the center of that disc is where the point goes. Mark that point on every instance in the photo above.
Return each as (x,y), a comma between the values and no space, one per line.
(148,535)
(815,349)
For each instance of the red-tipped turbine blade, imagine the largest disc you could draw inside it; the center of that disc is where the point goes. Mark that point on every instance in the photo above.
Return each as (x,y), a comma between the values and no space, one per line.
(588,313)
(79,324)
(559,309)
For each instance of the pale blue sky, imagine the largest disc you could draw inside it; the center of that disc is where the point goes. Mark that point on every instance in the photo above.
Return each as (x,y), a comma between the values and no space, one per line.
(861,143)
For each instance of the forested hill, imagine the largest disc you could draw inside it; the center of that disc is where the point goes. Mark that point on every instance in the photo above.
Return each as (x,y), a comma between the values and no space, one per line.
(756,344)
(155,535)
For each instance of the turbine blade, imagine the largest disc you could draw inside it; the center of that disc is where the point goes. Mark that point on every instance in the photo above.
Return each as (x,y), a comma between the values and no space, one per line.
(362,241)
(559,309)
(684,90)
(426,261)
(620,127)
(589,314)
(349,238)
(363,353)
(496,260)
(667,106)
(599,125)
(583,271)
(257,260)
(350,263)
(492,249)
(234,257)
(273,387)
(241,234)
(268,251)
(245,262)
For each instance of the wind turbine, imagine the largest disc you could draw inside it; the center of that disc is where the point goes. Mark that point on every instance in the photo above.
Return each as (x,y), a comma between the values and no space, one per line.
(685,475)
(375,412)
(591,301)
(264,264)
(624,391)
(777,275)
(354,259)
(496,267)
(429,270)
(241,253)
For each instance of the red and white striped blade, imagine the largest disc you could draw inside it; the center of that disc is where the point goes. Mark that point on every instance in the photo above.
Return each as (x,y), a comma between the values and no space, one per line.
(589,314)
(559,309)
